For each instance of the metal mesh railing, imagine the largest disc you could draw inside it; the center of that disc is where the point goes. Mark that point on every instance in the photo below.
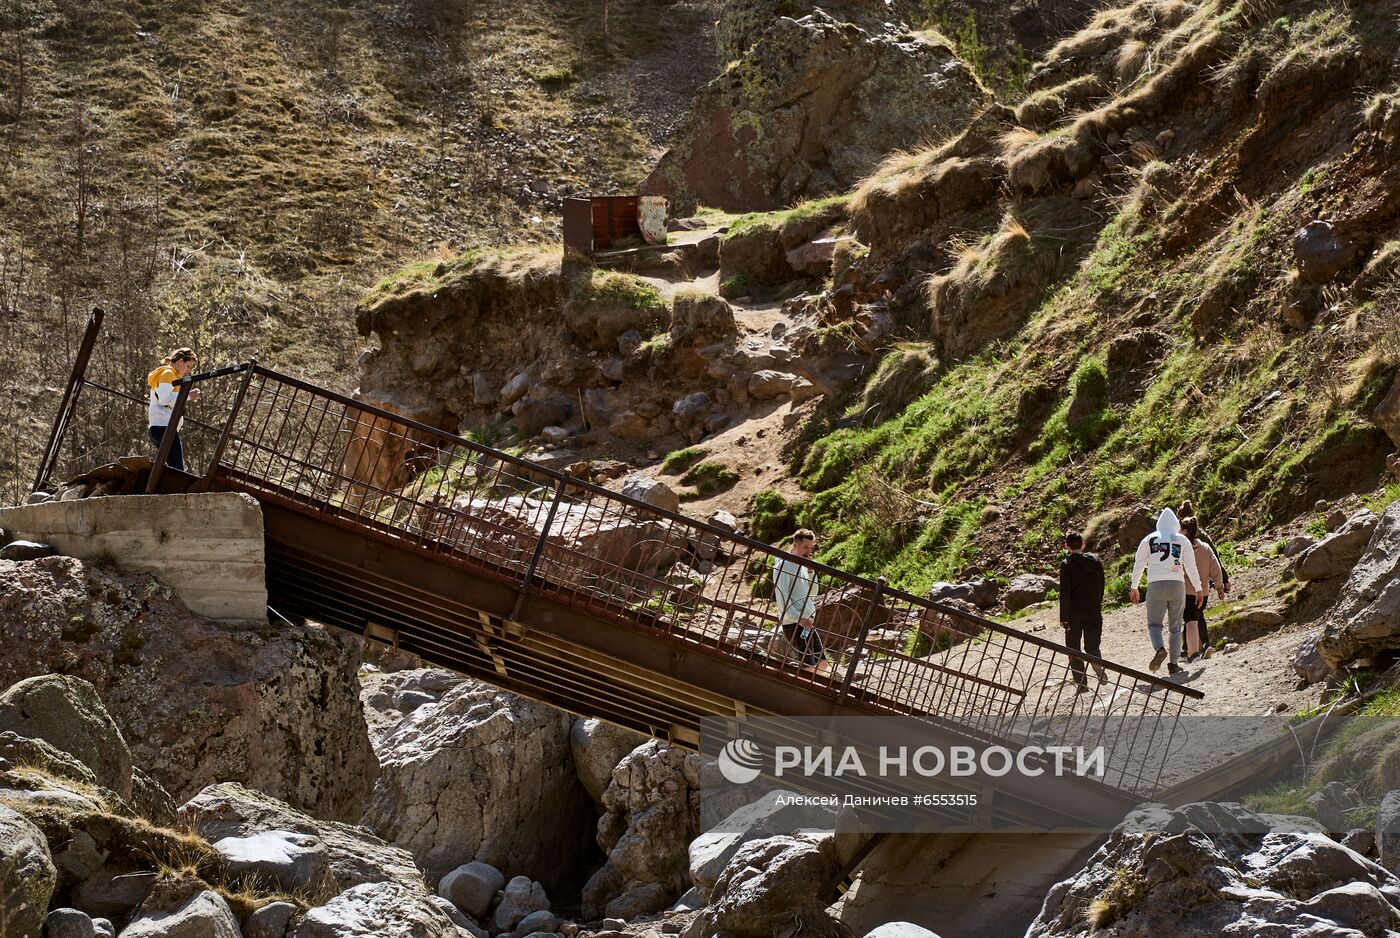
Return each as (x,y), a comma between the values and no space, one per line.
(595,550)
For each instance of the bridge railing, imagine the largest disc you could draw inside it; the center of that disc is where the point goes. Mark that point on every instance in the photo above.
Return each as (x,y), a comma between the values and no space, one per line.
(875,647)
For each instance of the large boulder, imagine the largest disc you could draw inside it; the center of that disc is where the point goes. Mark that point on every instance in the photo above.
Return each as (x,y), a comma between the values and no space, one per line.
(770,884)
(67,713)
(644,488)
(483,775)
(1026,589)
(521,898)
(27,876)
(1388,831)
(198,702)
(353,854)
(472,887)
(1307,660)
(377,910)
(650,817)
(1183,875)
(1319,252)
(1366,619)
(390,696)
(1336,553)
(710,853)
(293,862)
(183,912)
(598,747)
(810,108)
(982,592)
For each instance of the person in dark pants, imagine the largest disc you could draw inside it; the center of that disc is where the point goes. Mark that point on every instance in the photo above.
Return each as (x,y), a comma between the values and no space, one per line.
(163,393)
(1081,606)
(795,589)
(1213,574)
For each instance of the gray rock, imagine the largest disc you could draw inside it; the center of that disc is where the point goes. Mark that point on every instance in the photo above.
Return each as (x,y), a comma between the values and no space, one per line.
(644,488)
(482,775)
(1308,662)
(105,929)
(204,914)
(1332,803)
(649,818)
(269,921)
(555,434)
(482,391)
(295,862)
(1336,553)
(66,712)
(770,884)
(472,887)
(407,701)
(1366,619)
(1362,841)
(710,853)
(26,550)
(355,856)
(900,930)
(377,910)
(689,414)
(80,856)
(538,922)
(458,917)
(766,384)
(1388,831)
(1251,880)
(982,592)
(514,389)
(723,520)
(113,891)
(597,747)
(520,897)
(38,498)
(1297,544)
(69,923)
(1318,251)
(1027,589)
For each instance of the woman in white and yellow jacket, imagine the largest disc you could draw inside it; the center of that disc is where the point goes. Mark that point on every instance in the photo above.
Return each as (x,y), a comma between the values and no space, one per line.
(163,393)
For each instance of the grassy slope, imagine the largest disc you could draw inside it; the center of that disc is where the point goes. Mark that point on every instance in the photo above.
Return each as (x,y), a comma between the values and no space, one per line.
(234,174)
(905,497)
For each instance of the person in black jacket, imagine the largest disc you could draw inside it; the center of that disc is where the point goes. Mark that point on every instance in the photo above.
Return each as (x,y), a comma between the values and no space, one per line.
(1081,606)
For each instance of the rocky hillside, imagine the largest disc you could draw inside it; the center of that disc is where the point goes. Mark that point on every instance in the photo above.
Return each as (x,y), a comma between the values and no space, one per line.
(232,175)
(1166,274)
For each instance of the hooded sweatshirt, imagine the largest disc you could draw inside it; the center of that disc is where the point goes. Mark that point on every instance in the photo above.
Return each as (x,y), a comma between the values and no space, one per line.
(163,394)
(1166,554)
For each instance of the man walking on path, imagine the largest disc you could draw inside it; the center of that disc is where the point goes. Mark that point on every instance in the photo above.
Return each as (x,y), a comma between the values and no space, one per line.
(1081,606)
(795,587)
(1169,561)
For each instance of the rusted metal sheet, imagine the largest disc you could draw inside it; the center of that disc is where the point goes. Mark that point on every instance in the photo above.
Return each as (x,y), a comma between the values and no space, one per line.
(578,226)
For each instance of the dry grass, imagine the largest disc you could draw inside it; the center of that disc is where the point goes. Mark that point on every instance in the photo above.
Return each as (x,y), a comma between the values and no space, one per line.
(1132,59)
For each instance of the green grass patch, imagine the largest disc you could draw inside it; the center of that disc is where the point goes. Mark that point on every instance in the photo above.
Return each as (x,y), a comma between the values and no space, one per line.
(709,478)
(682,459)
(771,517)
(777,220)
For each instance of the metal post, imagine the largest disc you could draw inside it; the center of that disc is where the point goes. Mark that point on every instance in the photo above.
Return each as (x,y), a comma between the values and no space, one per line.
(237,405)
(168,441)
(539,544)
(860,642)
(70,398)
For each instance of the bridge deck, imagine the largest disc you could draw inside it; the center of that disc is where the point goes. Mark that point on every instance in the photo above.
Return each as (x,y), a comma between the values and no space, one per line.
(566,592)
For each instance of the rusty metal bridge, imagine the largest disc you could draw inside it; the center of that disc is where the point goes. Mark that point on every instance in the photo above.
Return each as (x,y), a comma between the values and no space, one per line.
(560,590)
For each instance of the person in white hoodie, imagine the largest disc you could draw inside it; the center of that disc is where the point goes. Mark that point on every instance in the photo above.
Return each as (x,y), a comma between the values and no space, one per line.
(1168,559)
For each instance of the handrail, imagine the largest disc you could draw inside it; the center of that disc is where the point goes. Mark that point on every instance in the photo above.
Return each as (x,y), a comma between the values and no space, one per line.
(733,536)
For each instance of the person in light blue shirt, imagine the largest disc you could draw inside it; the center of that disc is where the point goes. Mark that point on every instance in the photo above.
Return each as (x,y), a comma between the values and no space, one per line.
(795,588)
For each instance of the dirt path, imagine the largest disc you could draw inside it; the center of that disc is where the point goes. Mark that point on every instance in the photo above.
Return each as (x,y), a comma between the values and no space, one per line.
(1253,680)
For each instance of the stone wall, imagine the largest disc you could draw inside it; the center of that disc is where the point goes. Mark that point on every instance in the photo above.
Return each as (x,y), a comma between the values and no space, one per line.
(208,547)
